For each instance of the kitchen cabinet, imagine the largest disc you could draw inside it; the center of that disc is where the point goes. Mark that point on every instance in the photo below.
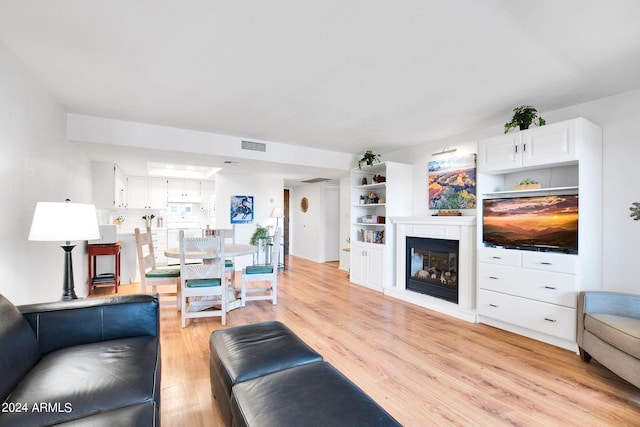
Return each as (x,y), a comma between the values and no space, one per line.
(184,190)
(109,186)
(160,244)
(530,148)
(147,193)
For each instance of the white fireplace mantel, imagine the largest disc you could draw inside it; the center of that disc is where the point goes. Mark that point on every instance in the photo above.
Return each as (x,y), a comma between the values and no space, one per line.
(461,228)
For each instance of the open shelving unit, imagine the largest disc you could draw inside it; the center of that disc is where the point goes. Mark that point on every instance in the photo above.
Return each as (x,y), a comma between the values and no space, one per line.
(371,233)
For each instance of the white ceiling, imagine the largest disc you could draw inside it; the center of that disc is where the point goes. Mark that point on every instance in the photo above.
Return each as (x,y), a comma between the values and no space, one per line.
(343,75)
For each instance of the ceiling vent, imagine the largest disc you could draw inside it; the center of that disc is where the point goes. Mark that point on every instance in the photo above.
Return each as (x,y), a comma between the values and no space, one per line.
(254,146)
(314,180)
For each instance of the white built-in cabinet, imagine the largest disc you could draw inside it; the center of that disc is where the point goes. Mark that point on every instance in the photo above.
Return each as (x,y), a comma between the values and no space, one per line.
(372,245)
(109,186)
(183,190)
(367,265)
(147,193)
(535,293)
(552,144)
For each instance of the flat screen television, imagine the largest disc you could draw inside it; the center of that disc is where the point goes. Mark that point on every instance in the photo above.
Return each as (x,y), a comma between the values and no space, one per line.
(543,223)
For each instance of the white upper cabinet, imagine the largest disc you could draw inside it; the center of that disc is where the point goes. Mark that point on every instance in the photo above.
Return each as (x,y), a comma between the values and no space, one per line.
(499,153)
(157,193)
(147,193)
(550,144)
(183,190)
(109,186)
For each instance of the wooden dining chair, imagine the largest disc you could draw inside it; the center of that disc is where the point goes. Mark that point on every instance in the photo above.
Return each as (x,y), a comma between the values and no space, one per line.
(150,275)
(202,286)
(262,273)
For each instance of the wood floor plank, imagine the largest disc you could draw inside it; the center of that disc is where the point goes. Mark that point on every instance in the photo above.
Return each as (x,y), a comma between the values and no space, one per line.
(423,367)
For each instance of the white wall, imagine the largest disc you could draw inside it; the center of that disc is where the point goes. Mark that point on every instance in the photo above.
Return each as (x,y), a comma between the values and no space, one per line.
(267,192)
(331,223)
(618,116)
(345,220)
(37,164)
(315,234)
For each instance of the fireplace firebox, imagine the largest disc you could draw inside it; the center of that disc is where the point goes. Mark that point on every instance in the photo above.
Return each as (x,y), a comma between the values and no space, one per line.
(432,267)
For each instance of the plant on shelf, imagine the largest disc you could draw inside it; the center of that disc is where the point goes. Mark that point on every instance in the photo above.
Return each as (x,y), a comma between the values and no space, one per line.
(523,117)
(527,184)
(528,181)
(369,159)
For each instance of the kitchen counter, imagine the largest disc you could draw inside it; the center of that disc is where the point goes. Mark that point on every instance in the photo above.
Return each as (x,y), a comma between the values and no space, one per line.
(130,231)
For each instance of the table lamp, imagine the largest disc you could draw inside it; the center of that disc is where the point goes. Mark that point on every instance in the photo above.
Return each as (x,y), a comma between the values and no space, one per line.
(65,221)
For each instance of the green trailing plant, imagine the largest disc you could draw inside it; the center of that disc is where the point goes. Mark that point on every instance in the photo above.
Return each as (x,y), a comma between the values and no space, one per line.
(260,235)
(369,159)
(523,117)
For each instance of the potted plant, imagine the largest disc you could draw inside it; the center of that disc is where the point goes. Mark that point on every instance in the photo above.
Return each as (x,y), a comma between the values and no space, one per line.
(368,158)
(523,117)
(261,234)
(261,239)
(527,184)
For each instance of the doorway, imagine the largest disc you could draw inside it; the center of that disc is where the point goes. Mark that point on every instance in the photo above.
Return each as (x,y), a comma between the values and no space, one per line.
(285,225)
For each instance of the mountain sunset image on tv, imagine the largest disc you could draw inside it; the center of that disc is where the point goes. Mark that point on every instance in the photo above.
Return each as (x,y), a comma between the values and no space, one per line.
(538,222)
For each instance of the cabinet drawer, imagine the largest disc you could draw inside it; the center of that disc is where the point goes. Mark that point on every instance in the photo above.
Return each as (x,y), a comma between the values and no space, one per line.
(501,278)
(499,256)
(560,263)
(555,288)
(538,316)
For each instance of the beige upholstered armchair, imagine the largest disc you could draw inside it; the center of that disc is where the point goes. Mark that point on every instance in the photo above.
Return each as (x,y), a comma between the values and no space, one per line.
(609,330)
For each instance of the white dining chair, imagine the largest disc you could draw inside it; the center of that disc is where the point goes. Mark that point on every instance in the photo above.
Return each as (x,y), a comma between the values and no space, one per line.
(262,273)
(203,287)
(230,268)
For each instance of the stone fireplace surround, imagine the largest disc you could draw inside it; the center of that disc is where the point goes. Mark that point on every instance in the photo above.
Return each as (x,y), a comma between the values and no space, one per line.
(461,228)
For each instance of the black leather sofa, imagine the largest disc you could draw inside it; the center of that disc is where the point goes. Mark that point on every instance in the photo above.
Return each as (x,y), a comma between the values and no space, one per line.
(83,362)
(263,375)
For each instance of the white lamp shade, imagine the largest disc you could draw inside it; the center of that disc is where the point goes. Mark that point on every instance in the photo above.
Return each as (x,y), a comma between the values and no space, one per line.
(277,212)
(64,221)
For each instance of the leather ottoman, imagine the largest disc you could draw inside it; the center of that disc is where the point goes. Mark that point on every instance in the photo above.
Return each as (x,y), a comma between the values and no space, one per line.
(315,394)
(250,351)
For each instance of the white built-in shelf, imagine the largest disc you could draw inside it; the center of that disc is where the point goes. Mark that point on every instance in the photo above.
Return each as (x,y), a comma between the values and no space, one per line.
(375,186)
(533,190)
(369,205)
(373,224)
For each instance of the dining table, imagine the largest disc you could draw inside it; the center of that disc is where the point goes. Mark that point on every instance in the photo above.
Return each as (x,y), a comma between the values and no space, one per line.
(231,250)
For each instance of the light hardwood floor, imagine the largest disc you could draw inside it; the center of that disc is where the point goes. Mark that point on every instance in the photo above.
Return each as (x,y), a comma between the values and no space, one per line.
(423,367)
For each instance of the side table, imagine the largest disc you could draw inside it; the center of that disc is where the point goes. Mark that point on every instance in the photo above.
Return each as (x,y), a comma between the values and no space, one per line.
(104,249)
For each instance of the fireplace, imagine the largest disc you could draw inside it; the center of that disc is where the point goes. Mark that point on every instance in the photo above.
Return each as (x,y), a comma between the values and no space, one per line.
(455,253)
(432,267)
